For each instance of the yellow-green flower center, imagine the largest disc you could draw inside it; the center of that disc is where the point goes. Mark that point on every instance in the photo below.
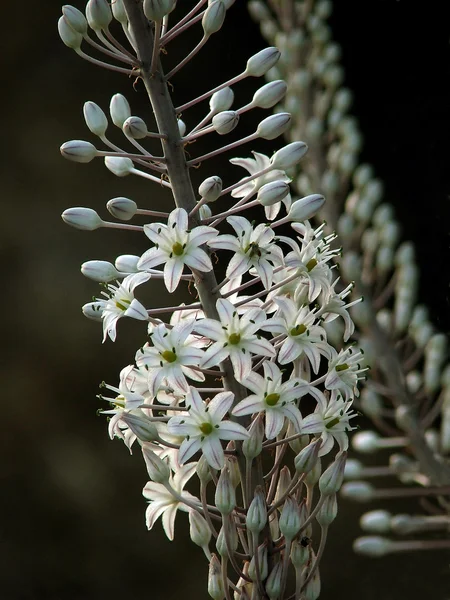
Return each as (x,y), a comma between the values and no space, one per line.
(178,249)
(311,264)
(332,423)
(206,428)
(342,367)
(123,304)
(253,250)
(272,399)
(234,339)
(298,330)
(169,356)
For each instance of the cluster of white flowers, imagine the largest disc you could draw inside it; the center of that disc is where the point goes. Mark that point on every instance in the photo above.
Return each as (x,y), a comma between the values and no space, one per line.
(245,391)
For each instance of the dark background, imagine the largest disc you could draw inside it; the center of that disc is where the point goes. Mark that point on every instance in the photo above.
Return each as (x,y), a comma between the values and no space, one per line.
(71,511)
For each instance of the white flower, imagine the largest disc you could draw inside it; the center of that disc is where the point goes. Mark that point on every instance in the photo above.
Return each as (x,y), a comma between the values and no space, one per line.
(275,398)
(122,303)
(254,165)
(171,357)
(176,246)
(162,502)
(203,428)
(344,372)
(331,421)
(234,337)
(333,306)
(251,248)
(302,335)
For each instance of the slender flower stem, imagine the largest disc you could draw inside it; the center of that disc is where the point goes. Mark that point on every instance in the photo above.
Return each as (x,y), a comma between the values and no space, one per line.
(187,58)
(244,140)
(129,60)
(100,63)
(206,95)
(186,22)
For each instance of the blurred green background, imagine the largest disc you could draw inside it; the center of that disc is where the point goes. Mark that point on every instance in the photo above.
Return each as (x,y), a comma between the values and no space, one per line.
(72,515)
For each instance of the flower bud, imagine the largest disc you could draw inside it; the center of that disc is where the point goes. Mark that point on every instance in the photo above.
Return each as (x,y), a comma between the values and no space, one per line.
(290,521)
(225,121)
(305,208)
(221,543)
(98,14)
(199,530)
(262,563)
(127,263)
(252,446)
(135,127)
(288,156)
(214,17)
(376,521)
(262,61)
(181,127)
(93,310)
(272,192)
(155,10)
(79,151)
(372,545)
(119,165)
(312,590)
(332,478)
(300,552)
(75,19)
(328,511)
(158,470)
(270,94)
(215,581)
(353,469)
(119,12)
(205,212)
(307,458)
(142,428)
(284,481)
(273,126)
(222,100)
(210,189)
(359,491)
(82,218)
(313,476)
(274,581)
(366,442)
(225,498)
(257,512)
(95,118)
(258,10)
(99,270)
(69,36)
(122,208)
(119,110)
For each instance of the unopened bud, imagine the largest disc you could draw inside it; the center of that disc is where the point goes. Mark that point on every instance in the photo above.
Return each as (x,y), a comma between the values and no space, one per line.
(142,428)
(79,151)
(328,511)
(69,36)
(376,521)
(366,442)
(156,10)
(290,520)
(127,263)
(359,491)
(205,212)
(272,192)
(199,530)
(372,545)
(252,446)
(210,189)
(305,208)
(203,470)
(221,544)
(181,127)
(119,165)
(273,126)
(262,563)
(82,218)
(270,94)
(313,476)
(262,61)
(307,458)
(288,156)
(93,310)
(214,17)
(225,121)
(98,14)
(225,498)
(119,12)
(215,581)
(75,19)
(95,118)
(274,581)
(122,208)
(158,469)
(257,512)
(135,127)
(221,100)
(100,270)
(332,478)
(119,110)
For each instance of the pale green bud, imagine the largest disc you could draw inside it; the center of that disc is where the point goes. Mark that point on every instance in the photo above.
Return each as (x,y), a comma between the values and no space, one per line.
(211,188)
(221,543)
(372,545)
(199,530)
(215,581)
(270,94)
(100,270)
(122,208)
(262,563)
(262,61)
(252,446)
(75,19)
(95,118)
(119,110)
(82,218)
(98,14)
(225,121)
(332,478)
(221,100)
(79,151)
(307,458)
(353,469)
(119,165)
(376,521)
(127,263)
(181,127)
(300,552)
(290,520)
(158,470)
(69,36)
(273,126)
(119,12)
(156,10)
(256,518)
(205,212)
(289,155)
(312,590)
(359,491)
(203,470)
(313,476)
(272,192)
(142,428)
(274,581)
(366,442)
(135,127)
(214,17)
(225,498)
(328,511)
(305,208)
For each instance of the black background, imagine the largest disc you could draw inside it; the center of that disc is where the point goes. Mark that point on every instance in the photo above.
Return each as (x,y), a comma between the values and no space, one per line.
(72,514)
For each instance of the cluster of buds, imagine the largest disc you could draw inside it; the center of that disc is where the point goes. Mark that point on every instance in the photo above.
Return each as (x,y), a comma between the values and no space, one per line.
(408,393)
(248,390)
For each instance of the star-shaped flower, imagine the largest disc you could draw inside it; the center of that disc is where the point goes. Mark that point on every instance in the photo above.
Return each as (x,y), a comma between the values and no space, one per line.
(344,372)
(235,337)
(252,248)
(162,502)
(176,246)
(203,428)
